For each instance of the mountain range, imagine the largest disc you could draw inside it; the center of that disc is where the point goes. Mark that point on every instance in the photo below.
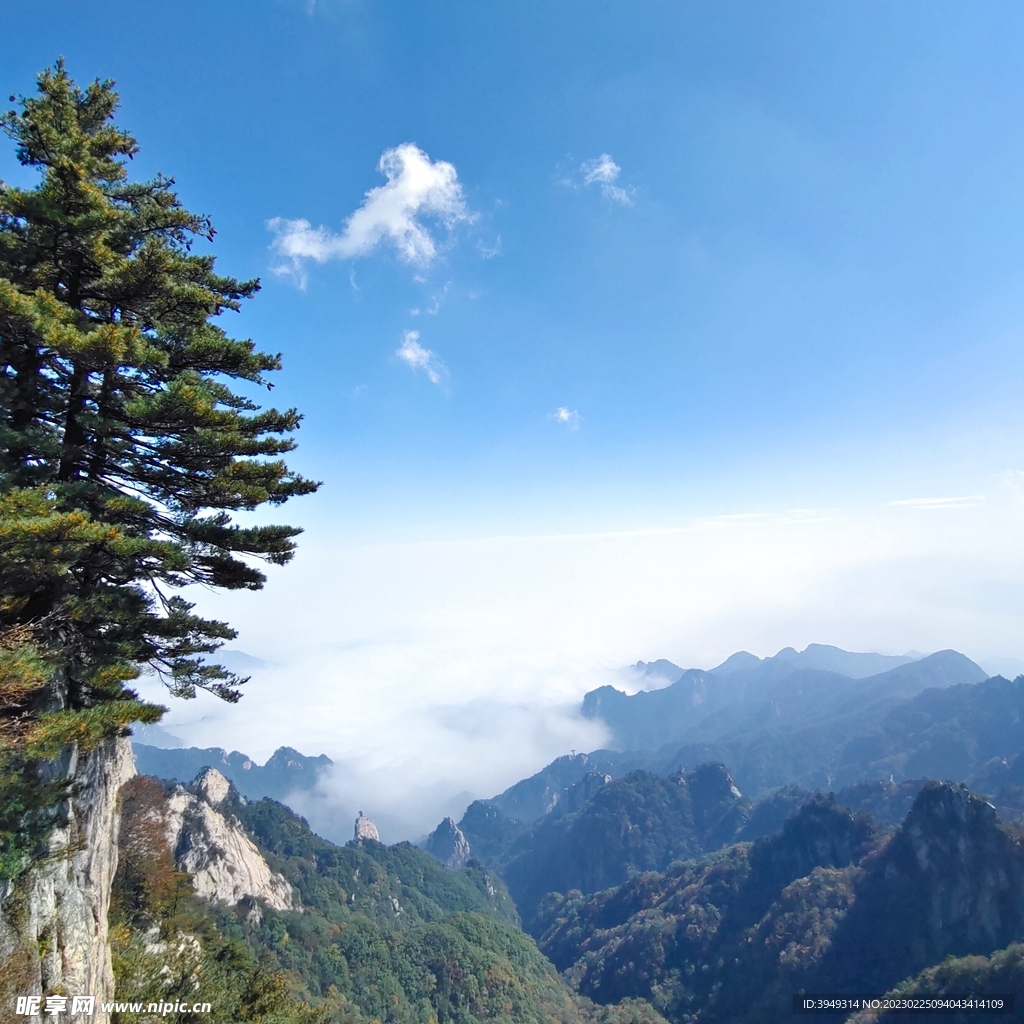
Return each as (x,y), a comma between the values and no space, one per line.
(815,821)
(240,901)
(791,719)
(828,904)
(746,694)
(286,770)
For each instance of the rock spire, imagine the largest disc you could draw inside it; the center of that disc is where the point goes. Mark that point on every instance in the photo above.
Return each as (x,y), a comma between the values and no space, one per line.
(365,829)
(449,845)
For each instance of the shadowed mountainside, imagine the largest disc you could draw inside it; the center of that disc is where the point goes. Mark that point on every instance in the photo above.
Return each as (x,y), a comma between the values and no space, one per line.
(711,707)
(637,823)
(285,771)
(827,904)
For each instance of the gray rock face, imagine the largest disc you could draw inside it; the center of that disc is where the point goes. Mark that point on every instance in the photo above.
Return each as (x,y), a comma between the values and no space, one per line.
(59,908)
(224,863)
(576,796)
(365,829)
(212,786)
(449,845)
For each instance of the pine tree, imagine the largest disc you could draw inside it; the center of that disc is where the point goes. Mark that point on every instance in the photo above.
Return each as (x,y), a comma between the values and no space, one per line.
(124,450)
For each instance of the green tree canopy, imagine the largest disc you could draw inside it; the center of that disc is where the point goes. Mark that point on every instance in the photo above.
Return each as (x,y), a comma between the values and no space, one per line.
(126,445)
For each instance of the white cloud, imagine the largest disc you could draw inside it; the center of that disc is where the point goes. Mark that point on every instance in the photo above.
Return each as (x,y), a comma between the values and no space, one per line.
(965,501)
(417,189)
(413,354)
(604,171)
(570,417)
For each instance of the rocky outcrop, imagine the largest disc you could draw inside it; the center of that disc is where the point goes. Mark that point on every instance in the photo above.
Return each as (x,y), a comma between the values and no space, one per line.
(449,845)
(224,864)
(576,796)
(211,786)
(59,907)
(950,883)
(719,809)
(365,829)
(488,831)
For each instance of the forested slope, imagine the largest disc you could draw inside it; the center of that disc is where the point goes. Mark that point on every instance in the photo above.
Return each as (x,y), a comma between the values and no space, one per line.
(373,932)
(831,903)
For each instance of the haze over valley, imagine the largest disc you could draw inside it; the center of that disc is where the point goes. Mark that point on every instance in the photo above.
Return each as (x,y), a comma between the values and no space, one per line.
(822,719)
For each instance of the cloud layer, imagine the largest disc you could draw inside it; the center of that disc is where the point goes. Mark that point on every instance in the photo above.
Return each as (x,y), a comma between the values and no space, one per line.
(417,190)
(445,667)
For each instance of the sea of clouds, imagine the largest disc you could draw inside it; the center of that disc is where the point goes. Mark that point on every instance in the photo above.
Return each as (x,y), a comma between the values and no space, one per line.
(435,672)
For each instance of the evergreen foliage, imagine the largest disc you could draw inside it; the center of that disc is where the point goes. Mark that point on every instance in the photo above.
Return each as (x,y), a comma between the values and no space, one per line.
(1002,972)
(829,904)
(124,449)
(637,823)
(369,877)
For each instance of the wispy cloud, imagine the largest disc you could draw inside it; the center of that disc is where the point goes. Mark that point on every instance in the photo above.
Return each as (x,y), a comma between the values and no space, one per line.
(604,172)
(569,417)
(435,302)
(417,189)
(488,252)
(964,501)
(414,355)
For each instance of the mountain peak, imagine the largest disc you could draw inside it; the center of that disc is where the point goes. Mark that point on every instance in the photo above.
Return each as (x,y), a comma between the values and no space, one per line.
(736,663)
(449,845)
(948,884)
(211,786)
(944,814)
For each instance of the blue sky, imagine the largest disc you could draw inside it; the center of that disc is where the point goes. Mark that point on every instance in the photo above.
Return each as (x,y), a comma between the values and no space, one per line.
(822,254)
(763,258)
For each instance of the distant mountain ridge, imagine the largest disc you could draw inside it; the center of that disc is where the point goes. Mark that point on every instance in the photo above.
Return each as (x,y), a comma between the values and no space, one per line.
(816,656)
(716,714)
(852,664)
(801,701)
(286,770)
(787,731)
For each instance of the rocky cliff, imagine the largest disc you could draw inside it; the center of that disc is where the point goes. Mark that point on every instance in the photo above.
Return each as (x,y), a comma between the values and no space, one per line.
(205,839)
(951,883)
(53,920)
(449,845)
(213,848)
